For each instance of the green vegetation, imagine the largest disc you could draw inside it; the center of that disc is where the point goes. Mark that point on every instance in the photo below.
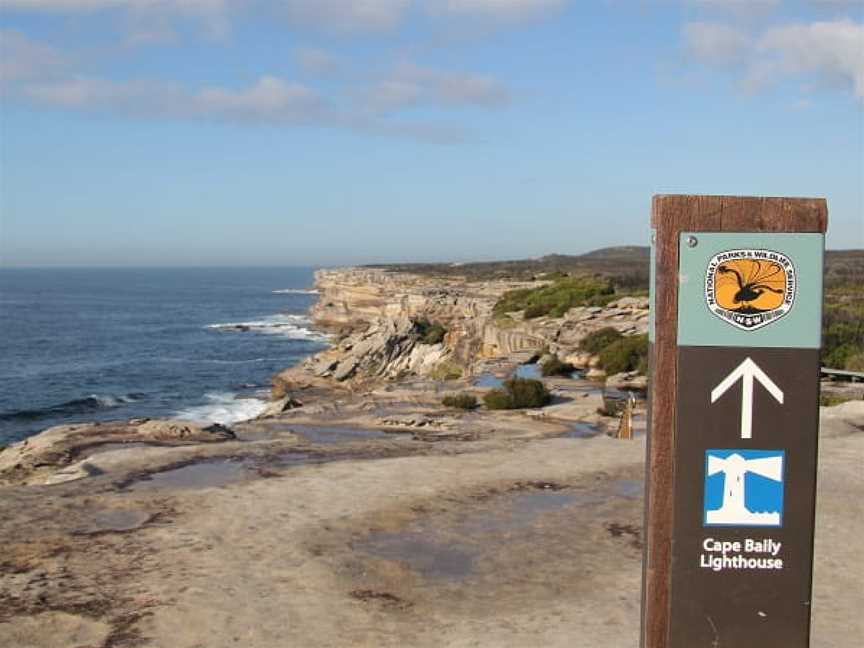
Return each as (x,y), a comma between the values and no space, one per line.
(843,328)
(429,332)
(557,298)
(627,265)
(612,406)
(830,400)
(617,352)
(460,401)
(518,393)
(598,340)
(630,353)
(446,371)
(624,271)
(855,362)
(556,367)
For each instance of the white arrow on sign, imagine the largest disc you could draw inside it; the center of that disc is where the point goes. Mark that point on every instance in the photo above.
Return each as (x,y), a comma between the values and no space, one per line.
(746,372)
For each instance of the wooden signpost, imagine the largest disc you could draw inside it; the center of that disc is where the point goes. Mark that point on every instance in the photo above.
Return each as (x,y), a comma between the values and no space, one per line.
(733,421)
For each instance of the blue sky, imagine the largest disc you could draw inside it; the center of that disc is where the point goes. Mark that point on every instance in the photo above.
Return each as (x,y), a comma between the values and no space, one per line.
(247,132)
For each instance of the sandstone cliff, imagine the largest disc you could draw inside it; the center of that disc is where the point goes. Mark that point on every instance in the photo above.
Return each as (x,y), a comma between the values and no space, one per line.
(377,319)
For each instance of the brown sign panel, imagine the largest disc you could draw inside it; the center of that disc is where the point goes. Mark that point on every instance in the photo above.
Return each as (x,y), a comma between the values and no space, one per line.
(744,496)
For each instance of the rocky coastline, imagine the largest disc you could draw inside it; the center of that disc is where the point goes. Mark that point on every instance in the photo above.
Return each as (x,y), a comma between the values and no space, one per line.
(375,317)
(358,510)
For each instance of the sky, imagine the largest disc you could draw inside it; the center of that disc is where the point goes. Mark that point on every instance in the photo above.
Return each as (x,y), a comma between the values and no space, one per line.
(323,132)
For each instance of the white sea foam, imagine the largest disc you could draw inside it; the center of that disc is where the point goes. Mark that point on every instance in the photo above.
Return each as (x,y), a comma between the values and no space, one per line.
(296,291)
(294,327)
(216,361)
(113,401)
(223,407)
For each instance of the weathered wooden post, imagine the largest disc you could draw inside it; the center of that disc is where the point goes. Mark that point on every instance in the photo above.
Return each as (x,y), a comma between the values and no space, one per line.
(733,421)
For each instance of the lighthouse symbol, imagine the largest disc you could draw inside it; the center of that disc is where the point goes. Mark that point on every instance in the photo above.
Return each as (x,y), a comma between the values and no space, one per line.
(747,485)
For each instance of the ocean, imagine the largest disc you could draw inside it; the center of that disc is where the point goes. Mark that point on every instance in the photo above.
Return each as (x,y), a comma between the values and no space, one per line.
(82,345)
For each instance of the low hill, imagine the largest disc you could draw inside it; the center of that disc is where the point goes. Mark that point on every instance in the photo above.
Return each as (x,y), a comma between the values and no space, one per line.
(627,265)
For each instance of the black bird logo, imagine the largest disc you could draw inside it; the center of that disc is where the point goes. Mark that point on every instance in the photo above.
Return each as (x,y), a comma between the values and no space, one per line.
(754,286)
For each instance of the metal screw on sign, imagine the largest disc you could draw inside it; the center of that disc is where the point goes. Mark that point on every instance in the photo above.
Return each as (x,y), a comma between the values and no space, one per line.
(692,241)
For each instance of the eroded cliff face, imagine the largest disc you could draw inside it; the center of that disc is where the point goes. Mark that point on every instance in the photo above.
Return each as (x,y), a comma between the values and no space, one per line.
(374,315)
(349,295)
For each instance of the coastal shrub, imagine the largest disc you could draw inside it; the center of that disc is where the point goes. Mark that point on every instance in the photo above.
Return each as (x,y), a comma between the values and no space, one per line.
(598,340)
(446,371)
(556,367)
(460,401)
(551,276)
(518,393)
(557,298)
(513,300)
(830,400)
(498,399)
(528,392)
(537,310)
(856,362)
(630,353)
(842,329)
(429,332)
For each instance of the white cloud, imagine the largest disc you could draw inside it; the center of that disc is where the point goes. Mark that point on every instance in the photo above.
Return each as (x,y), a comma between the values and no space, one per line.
(831,50)
(410,84)
(715,43)
(495,8)
(78,6)
(330,15)
(392,94)
(316,61)
(22,58)
(269,99)
(736,5)
(827,53)
(37,74)
(346,15)
(102,94)
(213,15)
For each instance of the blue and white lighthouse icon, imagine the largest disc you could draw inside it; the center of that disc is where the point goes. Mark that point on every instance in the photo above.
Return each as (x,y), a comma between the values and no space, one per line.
(744,488)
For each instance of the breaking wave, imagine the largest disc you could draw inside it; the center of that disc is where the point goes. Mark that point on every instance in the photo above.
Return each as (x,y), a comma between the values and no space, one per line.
(294,327)
(223,407)
(296,291)
(91,403)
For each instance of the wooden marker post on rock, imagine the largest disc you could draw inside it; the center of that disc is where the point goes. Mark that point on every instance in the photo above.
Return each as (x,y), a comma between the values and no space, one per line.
(736,307)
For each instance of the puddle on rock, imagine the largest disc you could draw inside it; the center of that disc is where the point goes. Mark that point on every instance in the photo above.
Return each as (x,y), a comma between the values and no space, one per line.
(108,447)
(531,371)
(424,556)
(518,512)
(623,394)
(449,546)
(205,474)
(488,380)
(294,458)
(114,520)
(222,472)
(582,431)
(630,488)
(331,435)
